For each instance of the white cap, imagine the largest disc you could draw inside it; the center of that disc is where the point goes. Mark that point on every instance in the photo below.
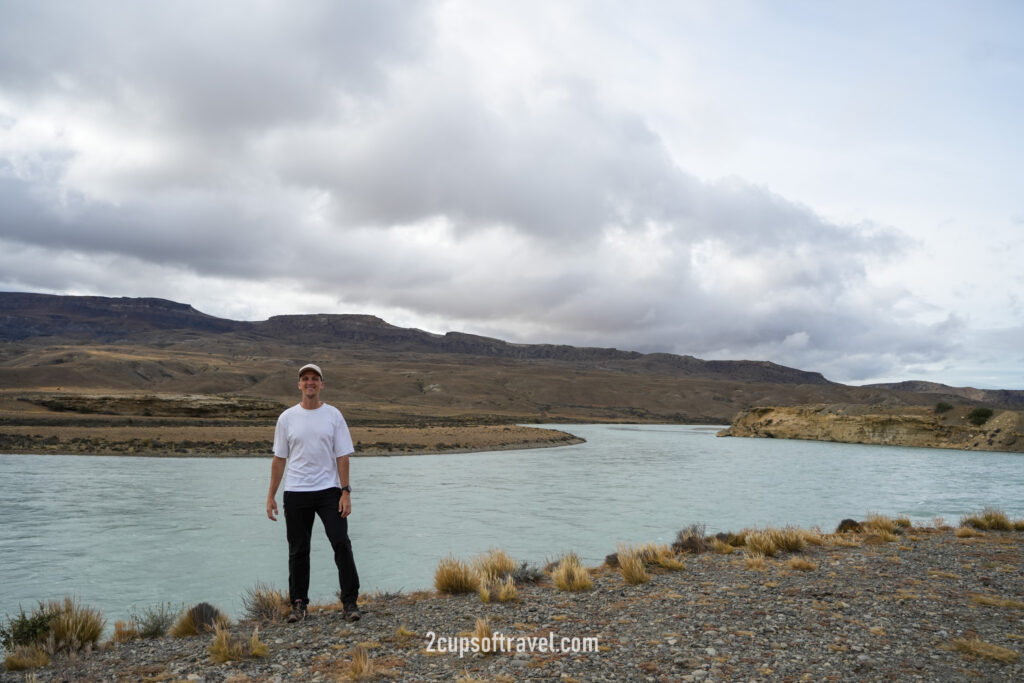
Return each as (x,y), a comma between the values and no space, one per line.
(314,368)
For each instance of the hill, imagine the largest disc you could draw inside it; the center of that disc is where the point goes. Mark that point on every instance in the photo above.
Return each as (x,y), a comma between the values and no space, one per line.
(96,356)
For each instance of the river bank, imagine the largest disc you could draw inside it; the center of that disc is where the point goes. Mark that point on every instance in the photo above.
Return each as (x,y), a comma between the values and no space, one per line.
(255,440)
(924,604)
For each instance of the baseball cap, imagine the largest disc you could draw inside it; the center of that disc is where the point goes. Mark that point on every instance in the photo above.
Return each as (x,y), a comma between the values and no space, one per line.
(314,368)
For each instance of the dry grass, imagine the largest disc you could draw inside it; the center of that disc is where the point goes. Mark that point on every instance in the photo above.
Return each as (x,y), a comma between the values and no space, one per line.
(995,601)
(257,648)
(495,565)
(454,577)
(755,561)
(224,648)
(483,636)
(879,524)
(75,626)
(844,540)
(800,564)
(200,618)
(631,566)
(570,575)
(880,536)
(265,603)
(361,667)
(972,648)
(761,543)
(125,631)
(990,519)
(789,539)
(507,592)
(967,532)
(721,547)
(26,657)
(692,539)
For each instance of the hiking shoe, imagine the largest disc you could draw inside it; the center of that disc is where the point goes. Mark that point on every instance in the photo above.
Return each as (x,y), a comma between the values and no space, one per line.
(351,613)
(298,612)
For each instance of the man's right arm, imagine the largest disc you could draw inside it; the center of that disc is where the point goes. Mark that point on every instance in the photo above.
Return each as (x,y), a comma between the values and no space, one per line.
(276,475)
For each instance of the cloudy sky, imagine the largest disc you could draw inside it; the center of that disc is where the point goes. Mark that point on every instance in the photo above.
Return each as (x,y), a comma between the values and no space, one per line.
(833,186)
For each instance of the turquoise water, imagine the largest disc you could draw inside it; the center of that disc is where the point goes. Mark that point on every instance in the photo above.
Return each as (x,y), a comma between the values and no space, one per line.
(123,533)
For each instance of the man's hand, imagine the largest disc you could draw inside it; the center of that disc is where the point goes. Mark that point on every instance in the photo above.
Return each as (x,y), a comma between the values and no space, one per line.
(272,509)
(345,504)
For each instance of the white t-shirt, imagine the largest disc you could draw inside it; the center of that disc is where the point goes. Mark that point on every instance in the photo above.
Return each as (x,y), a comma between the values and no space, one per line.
(311,441)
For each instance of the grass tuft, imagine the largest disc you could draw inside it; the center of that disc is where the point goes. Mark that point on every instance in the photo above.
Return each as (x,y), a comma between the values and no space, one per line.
(631,565)
(570,575)
(125,631)
(257,648)
(990,519)
(801,564)
(454,577)
(224,648)
(483,636)
(75,627)
(880,523)
(755,561)
(994,601)
(26,657)
(263,602)
(975,647)
(761,543)
(361,667)
(722,547)
(967,532)
(507,592)
(789,539)
(495,565)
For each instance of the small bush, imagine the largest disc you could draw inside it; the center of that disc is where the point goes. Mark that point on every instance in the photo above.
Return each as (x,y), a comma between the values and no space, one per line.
(942,407)
(570,575)
(26,657)
(979,416)
(454,577)
(691,539)
(527,573)
(198,619)
(265,603)
(27,629)
(154,622)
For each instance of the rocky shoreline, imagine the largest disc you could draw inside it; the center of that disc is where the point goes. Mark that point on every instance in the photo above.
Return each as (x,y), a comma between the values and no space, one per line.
(859,607)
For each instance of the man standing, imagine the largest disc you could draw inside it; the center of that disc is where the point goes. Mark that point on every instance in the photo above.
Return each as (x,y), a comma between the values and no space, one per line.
(311,452)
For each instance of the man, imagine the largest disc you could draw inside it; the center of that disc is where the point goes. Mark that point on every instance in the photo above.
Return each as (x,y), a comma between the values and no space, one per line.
(311,453)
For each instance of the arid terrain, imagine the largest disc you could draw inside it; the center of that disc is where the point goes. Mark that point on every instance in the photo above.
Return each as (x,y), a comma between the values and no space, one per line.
(879,425)
(155,377)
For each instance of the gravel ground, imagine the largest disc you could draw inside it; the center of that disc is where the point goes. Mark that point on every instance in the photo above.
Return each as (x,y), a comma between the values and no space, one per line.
(878,611)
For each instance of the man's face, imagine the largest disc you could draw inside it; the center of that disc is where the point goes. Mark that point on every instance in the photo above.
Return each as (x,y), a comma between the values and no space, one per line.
(310,383)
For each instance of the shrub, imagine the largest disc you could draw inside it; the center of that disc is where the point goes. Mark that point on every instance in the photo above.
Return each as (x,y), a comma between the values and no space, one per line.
(979,416)
(527,573)
(265,603)
(154,622)
(454,576)
(27,629)
(942,407)
(570,575)
(691,539)
(199,618)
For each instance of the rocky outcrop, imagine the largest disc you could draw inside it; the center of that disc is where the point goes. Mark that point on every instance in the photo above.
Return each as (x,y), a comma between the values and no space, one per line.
(905,426)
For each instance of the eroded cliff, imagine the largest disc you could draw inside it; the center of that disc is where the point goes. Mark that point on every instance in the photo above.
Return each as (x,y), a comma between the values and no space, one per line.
(903,426)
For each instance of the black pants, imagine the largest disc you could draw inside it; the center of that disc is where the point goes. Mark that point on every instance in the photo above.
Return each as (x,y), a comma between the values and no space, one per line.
(300,508)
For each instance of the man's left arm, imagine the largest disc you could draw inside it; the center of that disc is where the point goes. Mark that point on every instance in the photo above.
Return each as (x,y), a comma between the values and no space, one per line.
(345,504)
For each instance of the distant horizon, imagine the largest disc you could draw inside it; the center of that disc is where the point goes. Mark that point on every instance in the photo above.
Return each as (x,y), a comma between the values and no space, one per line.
(529,343)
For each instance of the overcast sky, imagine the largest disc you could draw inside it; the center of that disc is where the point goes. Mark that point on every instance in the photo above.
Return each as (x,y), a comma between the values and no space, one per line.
(833,186)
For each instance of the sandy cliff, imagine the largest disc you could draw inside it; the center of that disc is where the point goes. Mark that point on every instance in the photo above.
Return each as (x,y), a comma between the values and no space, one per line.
(903,426)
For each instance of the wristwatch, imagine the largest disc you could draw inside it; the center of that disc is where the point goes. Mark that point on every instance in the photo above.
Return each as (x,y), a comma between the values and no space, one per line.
(346,488)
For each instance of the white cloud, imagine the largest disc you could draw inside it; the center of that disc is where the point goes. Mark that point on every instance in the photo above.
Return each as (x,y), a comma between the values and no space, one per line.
(732,181)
